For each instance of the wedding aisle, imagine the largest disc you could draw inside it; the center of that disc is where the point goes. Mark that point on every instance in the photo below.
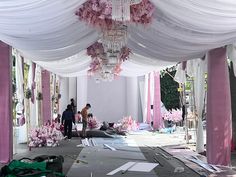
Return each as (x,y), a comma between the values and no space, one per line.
(99,158)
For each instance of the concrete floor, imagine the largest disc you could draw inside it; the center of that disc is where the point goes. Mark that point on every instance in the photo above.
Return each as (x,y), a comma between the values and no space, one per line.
(70,151)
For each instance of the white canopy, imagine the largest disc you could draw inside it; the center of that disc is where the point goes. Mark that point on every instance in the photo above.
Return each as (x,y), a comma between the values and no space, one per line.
(49,30)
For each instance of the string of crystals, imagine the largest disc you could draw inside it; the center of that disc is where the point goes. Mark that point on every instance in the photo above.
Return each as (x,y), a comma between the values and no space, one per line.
(113,40)
(121,9)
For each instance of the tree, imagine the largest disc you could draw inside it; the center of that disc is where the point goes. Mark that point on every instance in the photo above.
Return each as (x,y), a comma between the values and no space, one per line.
(169,90)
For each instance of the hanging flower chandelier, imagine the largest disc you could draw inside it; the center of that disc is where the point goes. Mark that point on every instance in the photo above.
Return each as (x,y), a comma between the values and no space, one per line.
(101,14)
(112,18)
(102,66)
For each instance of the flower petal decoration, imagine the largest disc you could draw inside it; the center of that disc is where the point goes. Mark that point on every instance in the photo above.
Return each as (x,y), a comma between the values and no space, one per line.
(98,13)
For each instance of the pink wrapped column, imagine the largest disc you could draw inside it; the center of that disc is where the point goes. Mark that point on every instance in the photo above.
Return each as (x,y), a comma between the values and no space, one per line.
(46,96)
(6,135)
(157,119)
(219,128)
(149,101)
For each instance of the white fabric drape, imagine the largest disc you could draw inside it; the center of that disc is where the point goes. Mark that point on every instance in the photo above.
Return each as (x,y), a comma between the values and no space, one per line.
(231,53)
(38,88)
(199,68)
(19,77)
(70,67)
(180,75)
(78,65)
(180,30)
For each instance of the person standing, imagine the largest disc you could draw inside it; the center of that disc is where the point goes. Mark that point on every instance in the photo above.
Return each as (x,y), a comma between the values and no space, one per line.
(73,107)
(84,114)
(68,118)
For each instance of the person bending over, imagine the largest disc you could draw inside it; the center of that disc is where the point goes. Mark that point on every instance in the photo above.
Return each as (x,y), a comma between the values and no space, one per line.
(84,114)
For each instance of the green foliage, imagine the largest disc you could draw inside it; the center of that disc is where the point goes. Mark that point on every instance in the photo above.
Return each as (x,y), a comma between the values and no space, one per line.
(169,91)
(26,73)
(39,96)
(28,93)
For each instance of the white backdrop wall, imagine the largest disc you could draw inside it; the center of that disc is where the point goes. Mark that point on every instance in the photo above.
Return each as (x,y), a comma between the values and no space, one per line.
(110,100)
(82,92)
(64,90)
(140,98)
(132,93)
(72,89)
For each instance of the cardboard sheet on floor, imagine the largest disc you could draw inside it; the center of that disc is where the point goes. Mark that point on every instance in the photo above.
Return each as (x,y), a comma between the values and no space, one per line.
(135,166)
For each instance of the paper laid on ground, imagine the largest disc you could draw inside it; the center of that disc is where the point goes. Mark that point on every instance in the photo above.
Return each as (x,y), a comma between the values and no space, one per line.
(135,166)
(143,167)
(85,142)
(80,145)
(109,147)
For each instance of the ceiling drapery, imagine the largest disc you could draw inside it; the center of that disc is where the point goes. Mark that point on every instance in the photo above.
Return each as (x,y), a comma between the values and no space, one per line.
(181,30)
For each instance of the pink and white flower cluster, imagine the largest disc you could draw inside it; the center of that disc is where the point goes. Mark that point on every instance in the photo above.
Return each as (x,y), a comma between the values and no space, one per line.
(47,135)
(127,124)
(96,50)
(173,115)
(98,13)
(93,123)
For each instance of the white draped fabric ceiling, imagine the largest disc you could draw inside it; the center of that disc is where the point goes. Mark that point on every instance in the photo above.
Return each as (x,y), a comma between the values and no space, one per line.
(49,30)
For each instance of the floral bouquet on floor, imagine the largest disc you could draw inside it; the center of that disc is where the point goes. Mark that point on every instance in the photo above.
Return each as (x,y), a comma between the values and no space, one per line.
(128,124)
(93,123)
(173,115)
(47,135)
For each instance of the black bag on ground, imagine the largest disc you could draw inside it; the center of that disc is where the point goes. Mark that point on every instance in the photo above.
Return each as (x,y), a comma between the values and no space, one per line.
(54,163)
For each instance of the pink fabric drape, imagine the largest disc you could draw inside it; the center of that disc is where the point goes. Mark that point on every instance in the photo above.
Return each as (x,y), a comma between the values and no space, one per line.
(46,96)
(149,101)
(6,136)
(219,128)
(157,119)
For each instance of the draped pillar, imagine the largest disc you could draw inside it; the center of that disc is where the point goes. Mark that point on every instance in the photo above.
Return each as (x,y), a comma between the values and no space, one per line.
(6,130)
(82,87)
(132,97)
(219,127)
(33,82)
(199,94)
(33,114)
(64,90)
(149,100)
(38,89)
(157,119)
(46,96)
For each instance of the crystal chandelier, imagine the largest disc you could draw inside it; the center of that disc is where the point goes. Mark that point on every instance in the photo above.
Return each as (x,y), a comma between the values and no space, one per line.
(121,9)
(114,39)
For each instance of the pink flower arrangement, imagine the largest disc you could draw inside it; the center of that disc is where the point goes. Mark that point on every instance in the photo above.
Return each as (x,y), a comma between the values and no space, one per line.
(173,115)
(128,124)
(117,69)
(96,50)
(142,13)
(98,13)
(93,123)
(95,66)
(124,54)
(47,135)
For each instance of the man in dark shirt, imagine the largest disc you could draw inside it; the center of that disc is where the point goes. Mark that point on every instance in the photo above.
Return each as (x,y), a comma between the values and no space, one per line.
(67,118)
